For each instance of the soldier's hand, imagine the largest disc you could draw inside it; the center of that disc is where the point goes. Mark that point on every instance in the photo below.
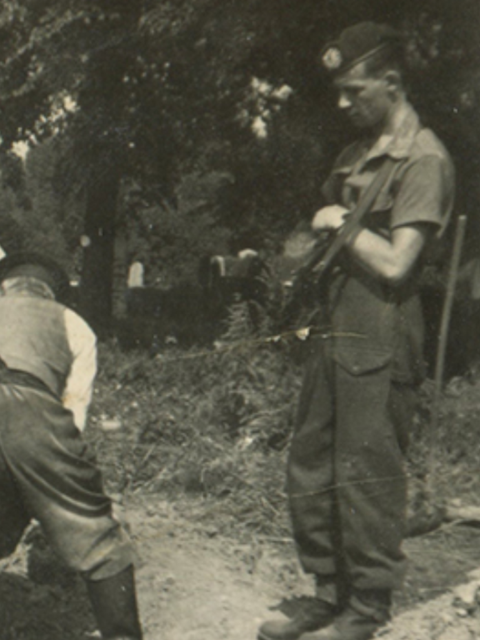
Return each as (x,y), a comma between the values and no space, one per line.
(329,218)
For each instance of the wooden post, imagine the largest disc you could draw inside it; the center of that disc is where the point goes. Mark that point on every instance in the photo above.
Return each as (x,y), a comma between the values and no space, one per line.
(442,346)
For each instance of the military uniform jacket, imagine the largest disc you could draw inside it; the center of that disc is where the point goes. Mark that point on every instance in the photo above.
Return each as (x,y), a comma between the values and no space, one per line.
(373,323)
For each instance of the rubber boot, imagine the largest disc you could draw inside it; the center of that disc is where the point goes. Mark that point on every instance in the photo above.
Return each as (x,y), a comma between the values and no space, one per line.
(114,605)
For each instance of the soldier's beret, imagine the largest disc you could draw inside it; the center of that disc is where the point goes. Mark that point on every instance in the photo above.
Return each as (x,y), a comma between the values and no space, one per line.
(36,265)
(356,44)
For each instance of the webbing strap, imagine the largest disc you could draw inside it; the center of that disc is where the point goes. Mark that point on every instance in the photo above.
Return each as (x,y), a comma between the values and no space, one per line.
(321,260)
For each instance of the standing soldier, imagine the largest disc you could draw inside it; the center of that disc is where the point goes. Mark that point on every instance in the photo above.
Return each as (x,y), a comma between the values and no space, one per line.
(47,367)
(346,482)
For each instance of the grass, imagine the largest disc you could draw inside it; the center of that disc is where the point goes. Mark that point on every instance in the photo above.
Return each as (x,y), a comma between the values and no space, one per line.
(215,425)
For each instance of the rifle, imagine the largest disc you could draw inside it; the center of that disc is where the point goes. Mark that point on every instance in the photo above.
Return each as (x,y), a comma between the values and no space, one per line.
(327,248)
(302,292)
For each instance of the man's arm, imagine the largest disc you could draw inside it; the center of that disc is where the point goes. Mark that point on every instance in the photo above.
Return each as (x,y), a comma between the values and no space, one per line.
(392,260)
(79,385)
(421,209)
(389,259)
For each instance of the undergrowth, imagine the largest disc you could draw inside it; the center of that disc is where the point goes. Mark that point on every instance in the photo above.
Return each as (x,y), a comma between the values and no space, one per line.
(215,425)
(446,460)
(212,423)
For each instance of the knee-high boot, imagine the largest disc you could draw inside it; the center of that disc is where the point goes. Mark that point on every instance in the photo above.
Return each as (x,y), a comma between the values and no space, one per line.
(114,604)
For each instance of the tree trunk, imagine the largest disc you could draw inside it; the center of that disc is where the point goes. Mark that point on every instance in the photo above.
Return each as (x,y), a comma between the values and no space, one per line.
(120,274)
(95,295)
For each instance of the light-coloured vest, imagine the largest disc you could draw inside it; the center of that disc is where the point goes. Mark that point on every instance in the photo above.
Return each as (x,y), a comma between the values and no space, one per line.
(33,339)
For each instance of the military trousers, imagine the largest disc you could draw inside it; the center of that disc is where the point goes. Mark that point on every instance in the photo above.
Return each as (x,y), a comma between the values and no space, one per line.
(346,481)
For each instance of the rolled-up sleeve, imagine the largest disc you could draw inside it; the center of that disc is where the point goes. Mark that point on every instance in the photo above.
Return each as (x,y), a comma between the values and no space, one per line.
(425,194)
(79,385)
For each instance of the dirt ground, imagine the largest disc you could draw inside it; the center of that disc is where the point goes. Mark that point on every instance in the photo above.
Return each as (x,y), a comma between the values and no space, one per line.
(195,584)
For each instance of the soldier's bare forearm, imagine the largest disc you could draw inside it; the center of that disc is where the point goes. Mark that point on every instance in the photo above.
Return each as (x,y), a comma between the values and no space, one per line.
(390,259)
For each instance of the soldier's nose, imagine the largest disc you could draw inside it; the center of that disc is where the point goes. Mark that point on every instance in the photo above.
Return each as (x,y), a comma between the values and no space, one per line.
(343,102)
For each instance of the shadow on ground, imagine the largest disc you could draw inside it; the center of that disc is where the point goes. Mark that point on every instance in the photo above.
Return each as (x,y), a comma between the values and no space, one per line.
(30,611)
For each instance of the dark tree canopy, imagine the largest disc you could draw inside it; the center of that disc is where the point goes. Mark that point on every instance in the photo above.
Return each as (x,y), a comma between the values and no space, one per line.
(215,110)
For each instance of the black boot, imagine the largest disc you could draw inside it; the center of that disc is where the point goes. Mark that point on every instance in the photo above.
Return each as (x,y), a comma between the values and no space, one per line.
(114,604)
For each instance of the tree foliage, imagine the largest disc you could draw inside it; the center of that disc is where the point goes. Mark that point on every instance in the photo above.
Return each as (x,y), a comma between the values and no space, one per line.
(173,93)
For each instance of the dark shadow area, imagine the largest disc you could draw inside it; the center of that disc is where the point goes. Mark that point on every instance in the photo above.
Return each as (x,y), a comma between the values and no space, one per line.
(463,345)
(30,611)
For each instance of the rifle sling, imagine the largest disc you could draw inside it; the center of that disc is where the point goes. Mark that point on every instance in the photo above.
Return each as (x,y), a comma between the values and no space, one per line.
(320,261)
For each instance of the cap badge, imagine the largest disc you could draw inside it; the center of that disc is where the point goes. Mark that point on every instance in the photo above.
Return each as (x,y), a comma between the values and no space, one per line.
(332,58)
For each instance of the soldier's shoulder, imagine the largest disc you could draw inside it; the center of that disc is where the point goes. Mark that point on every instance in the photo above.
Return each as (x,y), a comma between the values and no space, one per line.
(427,143)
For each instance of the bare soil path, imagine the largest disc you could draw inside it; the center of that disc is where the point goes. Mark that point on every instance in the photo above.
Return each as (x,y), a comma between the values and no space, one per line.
(197,585)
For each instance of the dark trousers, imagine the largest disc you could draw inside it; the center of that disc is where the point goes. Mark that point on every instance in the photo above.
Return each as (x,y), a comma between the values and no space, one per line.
(346,482)
(47,472)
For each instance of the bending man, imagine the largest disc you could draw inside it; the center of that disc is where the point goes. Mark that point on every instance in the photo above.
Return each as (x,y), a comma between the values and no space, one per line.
(47,366)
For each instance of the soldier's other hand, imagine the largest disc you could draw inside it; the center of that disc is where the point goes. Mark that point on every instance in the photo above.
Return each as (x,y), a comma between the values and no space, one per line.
(329,218)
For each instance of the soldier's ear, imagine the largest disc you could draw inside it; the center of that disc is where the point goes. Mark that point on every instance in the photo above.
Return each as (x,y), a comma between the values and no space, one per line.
(393,79)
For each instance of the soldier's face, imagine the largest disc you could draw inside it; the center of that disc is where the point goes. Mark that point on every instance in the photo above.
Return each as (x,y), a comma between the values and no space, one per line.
(365,99)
